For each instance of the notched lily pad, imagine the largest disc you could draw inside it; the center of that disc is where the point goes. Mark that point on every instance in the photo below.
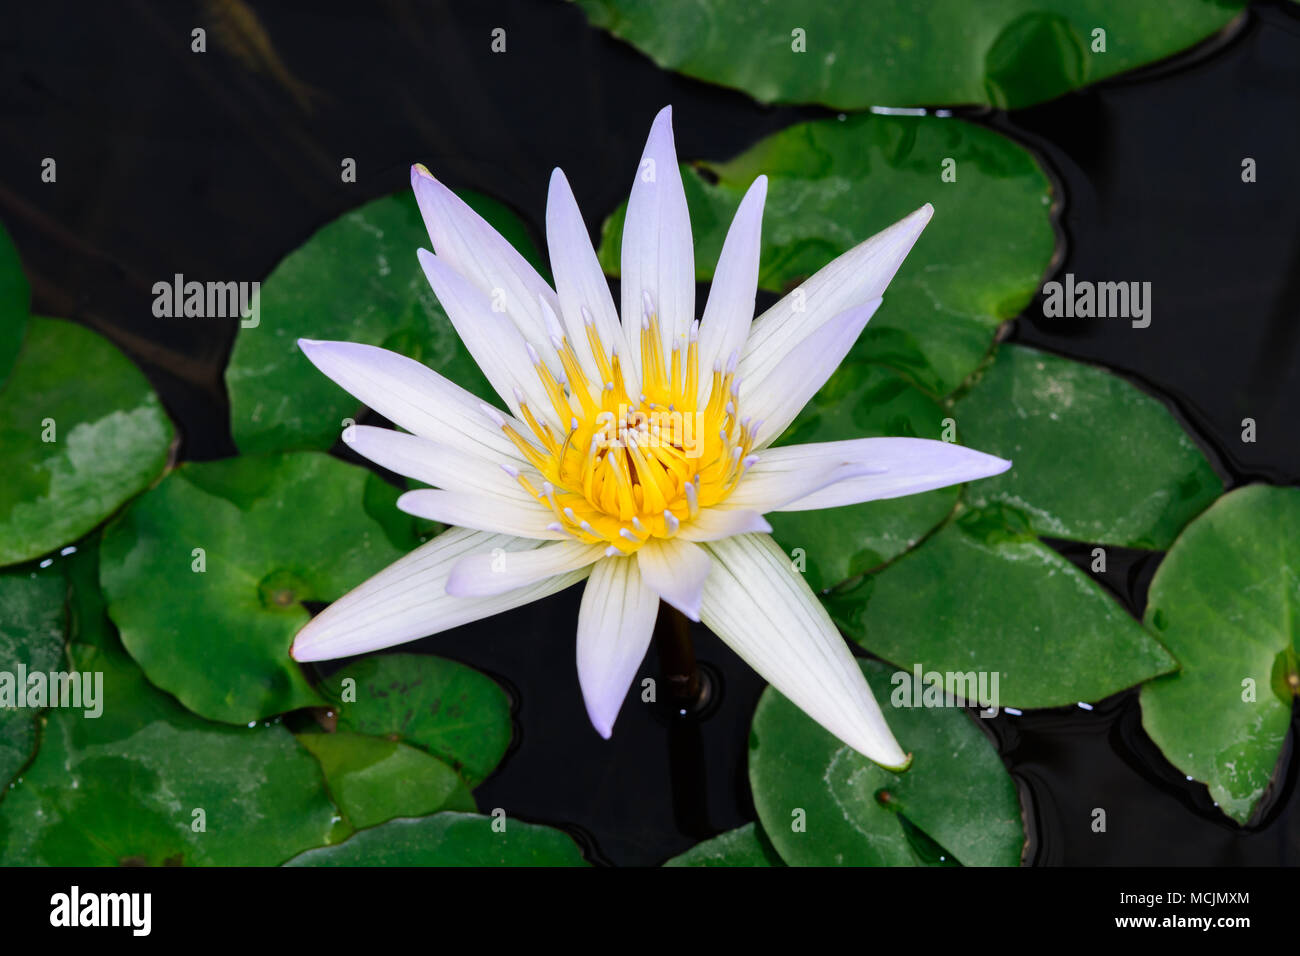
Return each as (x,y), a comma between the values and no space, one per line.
(358,280)
(1095,459)
(984,595)
(77,445)
(450,839)
(206,575)
(861,401)
(452,711)
(1224,600)
(834,183)
(1010,54)
(823,804)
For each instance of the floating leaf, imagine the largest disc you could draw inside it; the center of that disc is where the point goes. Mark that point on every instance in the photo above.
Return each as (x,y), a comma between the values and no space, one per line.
(374,780)
(1010,53)
(450,710)
(450,839)
(834,183)
(984,595)
(124,787)
(32,621)
(206,574)
(15,301)
(862,401)
(1224,600)
(358,280)
(1094,459)
(77,445)
(824,804)
(743,846)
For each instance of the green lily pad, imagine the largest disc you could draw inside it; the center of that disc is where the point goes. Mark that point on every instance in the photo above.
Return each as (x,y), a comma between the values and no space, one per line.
(123,788)
(1224,600)
(862,401)
(834,183)
(358,280)
(15,303)
(743,846)
(374,780)
(823,804)
(1006,53)
(452,711)
(450,839)
(269,533)
(32,622)
(77,445)
(984,595)
(1096,459)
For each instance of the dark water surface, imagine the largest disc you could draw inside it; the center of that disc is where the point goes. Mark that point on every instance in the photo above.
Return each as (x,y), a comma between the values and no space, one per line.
(173,162)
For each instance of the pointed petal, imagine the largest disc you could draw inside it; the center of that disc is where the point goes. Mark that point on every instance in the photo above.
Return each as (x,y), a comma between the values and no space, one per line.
(902,466)
(491,338)
(433,463)
(772,488)
(467,243)
(499,570)
(501,516)
(415,397)
(615,623)
(714,523)
(657,256)
(675,570)
(777,397)
(857,277)
(730,309)
(578,277)
(765,612)
(408,600)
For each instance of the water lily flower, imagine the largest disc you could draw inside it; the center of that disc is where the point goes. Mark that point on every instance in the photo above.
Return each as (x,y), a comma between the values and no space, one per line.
(636,453)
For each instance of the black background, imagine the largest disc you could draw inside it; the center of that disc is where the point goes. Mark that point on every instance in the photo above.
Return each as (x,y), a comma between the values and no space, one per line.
(170,161)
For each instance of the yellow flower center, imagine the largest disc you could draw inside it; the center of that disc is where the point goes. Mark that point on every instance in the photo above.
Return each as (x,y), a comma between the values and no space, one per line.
(631,468)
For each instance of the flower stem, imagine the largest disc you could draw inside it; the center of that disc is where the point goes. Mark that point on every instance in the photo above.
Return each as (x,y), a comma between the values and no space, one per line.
(677,665)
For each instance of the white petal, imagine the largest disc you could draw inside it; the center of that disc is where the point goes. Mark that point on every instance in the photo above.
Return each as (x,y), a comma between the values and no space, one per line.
(483,512)
(714,523)
(433,463)
(776,398)
(764,489)
(499,570)
(657,255)
(675,570)
(615,623)
(408,600)
(904,466)
(857,277)
(466,242)
(765,612)
(415,397)
(491,338)
(730,309)
(578,277)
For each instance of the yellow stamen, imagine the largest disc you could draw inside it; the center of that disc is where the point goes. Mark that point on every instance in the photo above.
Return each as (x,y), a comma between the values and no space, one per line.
(631,467)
